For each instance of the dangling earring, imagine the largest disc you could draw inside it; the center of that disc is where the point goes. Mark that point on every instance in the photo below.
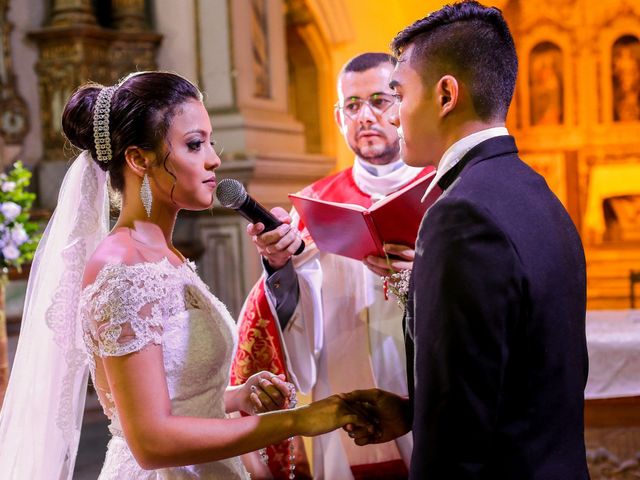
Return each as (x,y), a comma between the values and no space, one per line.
(145,195)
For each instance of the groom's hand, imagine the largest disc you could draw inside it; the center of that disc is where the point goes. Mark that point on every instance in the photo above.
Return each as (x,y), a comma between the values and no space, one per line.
(390,414)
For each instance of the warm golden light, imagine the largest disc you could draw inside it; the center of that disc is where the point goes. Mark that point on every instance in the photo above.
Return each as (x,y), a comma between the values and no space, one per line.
(575,113)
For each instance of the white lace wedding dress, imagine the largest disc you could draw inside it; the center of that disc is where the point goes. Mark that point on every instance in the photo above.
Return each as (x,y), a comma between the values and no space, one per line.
(130,307)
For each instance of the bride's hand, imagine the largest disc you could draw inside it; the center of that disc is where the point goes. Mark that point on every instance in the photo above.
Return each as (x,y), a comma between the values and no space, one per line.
(264,392)
(327,415)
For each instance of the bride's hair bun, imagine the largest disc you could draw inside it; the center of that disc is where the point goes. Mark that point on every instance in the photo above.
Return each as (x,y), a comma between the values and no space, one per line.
(77,118)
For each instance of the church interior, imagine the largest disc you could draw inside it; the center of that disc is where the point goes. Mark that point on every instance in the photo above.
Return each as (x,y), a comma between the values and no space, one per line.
(268,71)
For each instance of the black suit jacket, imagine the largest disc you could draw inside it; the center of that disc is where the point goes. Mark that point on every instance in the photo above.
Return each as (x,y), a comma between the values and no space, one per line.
(495,327)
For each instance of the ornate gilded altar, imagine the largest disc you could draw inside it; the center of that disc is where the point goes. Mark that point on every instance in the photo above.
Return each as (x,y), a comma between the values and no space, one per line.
(576,115)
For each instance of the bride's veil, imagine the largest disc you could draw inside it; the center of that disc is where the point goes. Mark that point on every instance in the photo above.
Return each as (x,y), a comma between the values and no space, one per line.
(41,417)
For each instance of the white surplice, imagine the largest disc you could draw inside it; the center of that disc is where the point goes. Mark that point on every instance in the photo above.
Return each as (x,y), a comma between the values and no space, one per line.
(345,336)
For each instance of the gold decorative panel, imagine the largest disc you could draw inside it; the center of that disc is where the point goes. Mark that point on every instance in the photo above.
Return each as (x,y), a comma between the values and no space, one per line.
(576,117)
(77,52)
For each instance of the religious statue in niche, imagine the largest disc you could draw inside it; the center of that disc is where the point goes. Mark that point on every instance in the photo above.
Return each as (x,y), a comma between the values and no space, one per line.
(622,218)
(260,48)
(546,86)
(625,69)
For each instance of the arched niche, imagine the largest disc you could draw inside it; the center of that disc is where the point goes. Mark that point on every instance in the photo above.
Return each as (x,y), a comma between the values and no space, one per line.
(546,85)
(546,88)
(304,103)
(618,63)
(311,79)
(625,79)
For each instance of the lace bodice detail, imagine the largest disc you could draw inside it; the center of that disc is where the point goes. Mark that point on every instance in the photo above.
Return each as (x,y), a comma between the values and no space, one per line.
(124,308)
(130,307)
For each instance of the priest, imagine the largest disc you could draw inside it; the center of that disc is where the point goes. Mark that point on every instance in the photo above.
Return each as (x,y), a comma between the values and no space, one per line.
(325,320)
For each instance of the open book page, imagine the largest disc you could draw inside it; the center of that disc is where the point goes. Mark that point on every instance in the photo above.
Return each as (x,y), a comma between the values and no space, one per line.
(356,232)
(419,185)
(337,228)
(350,206)
(397,217)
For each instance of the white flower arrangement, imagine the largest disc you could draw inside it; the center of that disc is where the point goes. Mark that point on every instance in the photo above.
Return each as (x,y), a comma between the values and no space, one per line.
(398,284)
(18,236)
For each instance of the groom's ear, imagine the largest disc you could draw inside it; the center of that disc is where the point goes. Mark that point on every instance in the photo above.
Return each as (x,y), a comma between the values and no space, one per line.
(447,94)
(138,160)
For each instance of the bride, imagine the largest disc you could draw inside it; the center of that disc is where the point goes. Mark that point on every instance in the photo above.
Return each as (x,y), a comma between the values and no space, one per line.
(130,309)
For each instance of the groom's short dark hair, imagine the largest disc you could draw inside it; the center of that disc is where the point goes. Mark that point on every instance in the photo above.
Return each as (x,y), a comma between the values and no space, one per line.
(471,42)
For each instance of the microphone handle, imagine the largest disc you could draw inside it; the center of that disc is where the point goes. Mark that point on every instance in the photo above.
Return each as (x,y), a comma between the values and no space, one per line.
(255,212)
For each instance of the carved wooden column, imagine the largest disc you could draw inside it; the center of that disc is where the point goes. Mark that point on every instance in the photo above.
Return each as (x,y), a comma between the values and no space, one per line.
(72,12)
(129,14)
(75,49)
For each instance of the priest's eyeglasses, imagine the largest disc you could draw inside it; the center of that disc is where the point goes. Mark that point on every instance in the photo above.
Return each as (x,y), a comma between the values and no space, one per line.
(379,103)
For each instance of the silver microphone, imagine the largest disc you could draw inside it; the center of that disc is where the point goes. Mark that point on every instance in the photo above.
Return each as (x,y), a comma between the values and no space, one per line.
(232,194)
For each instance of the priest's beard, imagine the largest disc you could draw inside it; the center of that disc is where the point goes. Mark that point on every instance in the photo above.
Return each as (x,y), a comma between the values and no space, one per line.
(375,156)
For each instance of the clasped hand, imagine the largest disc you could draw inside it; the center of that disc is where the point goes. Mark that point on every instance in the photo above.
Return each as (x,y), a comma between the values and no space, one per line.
(390,415)
(264,392)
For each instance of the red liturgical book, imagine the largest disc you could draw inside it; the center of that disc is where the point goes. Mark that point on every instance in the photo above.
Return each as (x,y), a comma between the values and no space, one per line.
(356,232)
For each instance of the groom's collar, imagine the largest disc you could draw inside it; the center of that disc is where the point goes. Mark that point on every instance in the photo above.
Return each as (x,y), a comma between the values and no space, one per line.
(493,147)
(458,151)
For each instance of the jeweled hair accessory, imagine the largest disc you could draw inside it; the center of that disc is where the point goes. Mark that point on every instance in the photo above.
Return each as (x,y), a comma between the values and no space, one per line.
(101,133)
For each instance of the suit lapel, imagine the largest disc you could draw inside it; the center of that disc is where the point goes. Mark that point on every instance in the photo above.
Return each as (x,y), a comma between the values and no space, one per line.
(493,147)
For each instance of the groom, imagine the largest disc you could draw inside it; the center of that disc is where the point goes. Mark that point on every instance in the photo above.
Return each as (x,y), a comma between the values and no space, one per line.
(496,308)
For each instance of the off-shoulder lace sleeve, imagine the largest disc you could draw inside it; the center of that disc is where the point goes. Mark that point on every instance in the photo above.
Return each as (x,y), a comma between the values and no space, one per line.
(124,309)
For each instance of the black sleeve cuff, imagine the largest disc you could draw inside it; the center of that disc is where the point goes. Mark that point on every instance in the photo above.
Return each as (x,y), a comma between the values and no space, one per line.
(282,285)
